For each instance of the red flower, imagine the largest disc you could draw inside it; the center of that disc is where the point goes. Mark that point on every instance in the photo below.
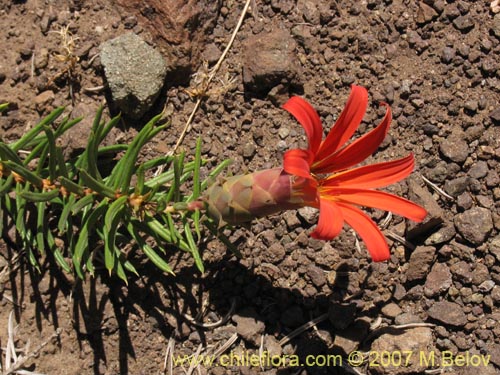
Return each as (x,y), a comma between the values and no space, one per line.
(337,190)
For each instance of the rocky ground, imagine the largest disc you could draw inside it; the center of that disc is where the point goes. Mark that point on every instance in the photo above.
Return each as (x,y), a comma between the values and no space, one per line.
(436,62)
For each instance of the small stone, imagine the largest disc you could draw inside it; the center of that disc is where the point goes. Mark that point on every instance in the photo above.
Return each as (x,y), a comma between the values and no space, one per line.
(317,276)
(283,132)
(462,271)
(495,116)
(135,73)
(44,100)
(420,262)
(480,274)
(425,13)
(495,26)
(275,253)
(211,53)
(291,219)
(495,294)
(486,286)
(456,186)
(475,224)
(415,340)
(438,280)
(407,318)
(495,247)
(309,214)
(448,313)
(248,326)
(455,148)
(447,55)
(249,150)
(270,59)
(464,23)
(471,106)
(391,310)
(478,170)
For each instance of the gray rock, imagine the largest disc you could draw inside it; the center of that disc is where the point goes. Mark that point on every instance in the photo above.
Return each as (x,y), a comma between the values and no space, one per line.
(462,272)
(448,313)
(135,73)
(495,247)
(475,224)
(444,234)
(425,13)
(495,116)
(317,276)
(480,274)
(494,351)
(478,169)
(464,23)
(416,340)
(391,310)
(249,150)
(438,280)
(291,219)
(447,55)
(269,60)
(420,262)
(275,253)
(495,27)
(455,148)
(456,186)
(309,214)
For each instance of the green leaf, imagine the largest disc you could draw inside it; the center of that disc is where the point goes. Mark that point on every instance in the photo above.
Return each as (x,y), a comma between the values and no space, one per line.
(139,187)
(157,260)
(96,186)
(64,221)
(6,153)
(5,185)
(193,248)
(71,186)
(3,107)
(212,175)
(81,253)
(82,203)
(20,144)
(122,172)
(40,227)
(196,172)
(111,221)
(24,173)
(40,197)
(53,162)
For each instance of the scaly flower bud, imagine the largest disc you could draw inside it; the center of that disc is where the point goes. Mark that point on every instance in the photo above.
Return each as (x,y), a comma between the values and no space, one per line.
(322,176)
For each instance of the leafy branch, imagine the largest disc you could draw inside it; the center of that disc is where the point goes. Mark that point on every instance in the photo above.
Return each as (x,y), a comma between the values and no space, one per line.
(73,208)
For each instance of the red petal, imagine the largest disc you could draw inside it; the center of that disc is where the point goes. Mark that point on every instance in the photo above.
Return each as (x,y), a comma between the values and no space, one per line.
(368,231)
(297,162)
(357,151)
(374,175)
(347,123)
(330,221)
(307,116)
(378,199)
